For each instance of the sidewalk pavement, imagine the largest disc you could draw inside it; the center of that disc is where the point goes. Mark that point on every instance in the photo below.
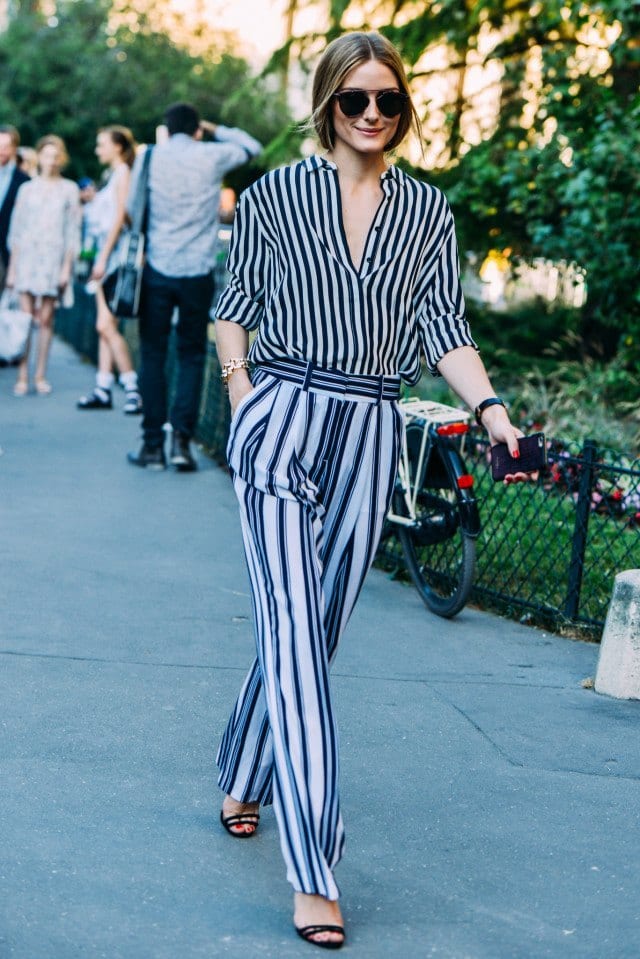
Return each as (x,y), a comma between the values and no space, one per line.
(491,802)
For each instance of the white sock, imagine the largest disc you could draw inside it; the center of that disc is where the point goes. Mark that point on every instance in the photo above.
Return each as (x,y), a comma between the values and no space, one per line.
(104,381)
(129,380)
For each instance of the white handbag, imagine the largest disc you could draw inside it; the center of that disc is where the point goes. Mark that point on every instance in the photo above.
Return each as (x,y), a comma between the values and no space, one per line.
(15,325)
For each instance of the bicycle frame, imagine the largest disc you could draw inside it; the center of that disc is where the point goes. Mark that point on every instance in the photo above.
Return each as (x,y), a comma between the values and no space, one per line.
(409,495)
(432,415)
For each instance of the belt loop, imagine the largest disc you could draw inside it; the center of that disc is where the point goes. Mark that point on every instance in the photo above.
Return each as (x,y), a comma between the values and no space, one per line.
(380,390)
(307,376)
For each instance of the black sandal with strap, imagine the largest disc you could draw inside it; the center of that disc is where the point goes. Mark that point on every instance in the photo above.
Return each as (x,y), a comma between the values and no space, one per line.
(242,819)
(308,932)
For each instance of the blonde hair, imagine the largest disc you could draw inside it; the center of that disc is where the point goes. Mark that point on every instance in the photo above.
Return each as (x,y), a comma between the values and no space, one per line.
(52,140)
(342,56)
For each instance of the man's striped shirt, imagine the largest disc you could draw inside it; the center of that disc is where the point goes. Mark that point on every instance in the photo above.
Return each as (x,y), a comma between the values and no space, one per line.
(293,279)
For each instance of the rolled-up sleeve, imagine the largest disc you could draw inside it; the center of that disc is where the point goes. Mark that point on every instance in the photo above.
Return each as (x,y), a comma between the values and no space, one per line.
(441,310)
(243,300)
(233,147)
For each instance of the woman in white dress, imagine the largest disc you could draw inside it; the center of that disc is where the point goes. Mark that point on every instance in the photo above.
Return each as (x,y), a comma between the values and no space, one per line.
(115,148)
(44,240)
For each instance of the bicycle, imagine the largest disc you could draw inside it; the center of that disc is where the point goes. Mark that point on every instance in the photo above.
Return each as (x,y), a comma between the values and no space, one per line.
(434,507)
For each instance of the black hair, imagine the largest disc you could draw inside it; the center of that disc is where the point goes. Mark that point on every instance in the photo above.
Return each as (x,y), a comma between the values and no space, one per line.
(181,118)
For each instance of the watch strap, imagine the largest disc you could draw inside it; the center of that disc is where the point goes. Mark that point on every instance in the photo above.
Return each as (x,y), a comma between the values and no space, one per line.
(481,407)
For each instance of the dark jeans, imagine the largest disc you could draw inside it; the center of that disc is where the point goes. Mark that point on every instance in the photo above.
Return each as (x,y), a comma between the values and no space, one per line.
(192,295)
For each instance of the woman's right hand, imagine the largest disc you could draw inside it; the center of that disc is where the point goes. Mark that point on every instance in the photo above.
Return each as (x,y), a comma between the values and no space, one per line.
(239,386)
(99,268)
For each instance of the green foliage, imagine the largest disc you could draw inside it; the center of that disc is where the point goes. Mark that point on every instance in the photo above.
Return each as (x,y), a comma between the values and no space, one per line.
(77,72)
(534,332)
(580,400)
(557,175)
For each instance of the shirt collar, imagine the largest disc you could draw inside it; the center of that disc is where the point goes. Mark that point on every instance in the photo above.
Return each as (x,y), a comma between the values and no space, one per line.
(391,176)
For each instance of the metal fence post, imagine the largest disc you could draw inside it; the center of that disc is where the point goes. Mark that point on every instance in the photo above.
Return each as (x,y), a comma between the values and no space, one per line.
(579,543)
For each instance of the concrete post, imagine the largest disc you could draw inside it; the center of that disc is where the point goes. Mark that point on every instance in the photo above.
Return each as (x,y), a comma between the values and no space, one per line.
(618,672)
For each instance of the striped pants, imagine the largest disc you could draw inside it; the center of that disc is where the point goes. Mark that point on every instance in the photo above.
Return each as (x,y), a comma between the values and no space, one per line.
(313,464)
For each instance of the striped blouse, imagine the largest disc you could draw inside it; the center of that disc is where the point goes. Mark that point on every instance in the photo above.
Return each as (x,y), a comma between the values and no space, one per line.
(292,277)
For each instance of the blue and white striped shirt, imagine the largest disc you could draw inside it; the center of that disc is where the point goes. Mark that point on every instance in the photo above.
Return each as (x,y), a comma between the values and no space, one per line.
(292,277)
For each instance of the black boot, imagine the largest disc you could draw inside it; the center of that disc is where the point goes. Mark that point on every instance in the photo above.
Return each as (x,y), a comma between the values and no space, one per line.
(149,458)
(181,456)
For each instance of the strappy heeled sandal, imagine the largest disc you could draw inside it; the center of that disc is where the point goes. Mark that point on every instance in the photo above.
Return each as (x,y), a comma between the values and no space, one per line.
(241,819)
(308,932)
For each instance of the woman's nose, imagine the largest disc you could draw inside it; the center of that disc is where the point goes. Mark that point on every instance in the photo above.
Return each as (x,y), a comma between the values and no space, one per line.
(371,112)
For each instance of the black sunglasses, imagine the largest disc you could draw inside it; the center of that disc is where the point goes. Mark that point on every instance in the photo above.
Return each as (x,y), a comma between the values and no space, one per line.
(354,102)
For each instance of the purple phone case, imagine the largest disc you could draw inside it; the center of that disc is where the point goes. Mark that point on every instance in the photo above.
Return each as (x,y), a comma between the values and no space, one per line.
(533,456)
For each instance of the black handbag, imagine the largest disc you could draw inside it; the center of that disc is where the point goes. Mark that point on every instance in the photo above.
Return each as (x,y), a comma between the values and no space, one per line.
(122,288)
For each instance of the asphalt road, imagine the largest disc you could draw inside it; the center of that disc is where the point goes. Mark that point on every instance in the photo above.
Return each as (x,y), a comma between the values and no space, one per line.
(491,801)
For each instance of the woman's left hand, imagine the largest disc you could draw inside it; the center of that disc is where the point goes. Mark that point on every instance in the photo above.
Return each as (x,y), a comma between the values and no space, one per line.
(500,429)
(65,279)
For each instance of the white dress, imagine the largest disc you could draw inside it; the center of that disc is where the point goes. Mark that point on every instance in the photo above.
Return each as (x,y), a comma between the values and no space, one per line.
(44,229)
(104,209)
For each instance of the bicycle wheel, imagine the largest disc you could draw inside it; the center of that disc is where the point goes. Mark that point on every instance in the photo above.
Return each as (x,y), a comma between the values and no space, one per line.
(439,554)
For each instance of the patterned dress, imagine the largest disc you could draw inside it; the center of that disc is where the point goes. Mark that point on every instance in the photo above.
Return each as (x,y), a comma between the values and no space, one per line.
(45,228)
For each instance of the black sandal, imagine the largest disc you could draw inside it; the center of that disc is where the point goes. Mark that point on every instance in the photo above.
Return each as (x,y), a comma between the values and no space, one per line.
(308,932)
(242,819)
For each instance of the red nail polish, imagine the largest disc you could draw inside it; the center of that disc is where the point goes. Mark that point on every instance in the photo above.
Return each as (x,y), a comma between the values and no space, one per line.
(516,455)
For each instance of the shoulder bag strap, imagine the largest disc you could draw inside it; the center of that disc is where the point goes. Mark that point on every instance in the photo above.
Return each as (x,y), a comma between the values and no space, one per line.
(141,198)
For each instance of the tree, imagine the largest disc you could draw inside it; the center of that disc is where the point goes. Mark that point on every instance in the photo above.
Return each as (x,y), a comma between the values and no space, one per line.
(86,68)
(530,110)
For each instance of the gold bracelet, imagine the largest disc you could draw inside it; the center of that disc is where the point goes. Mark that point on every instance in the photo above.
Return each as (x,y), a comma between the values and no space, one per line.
(232,365)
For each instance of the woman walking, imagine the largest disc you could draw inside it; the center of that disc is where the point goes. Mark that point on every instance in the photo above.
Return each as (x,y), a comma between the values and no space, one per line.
(347,268)
(115,148)
(44,240)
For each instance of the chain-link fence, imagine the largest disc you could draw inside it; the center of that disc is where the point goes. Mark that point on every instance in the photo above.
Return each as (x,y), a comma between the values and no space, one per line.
(547,553)
(553,549)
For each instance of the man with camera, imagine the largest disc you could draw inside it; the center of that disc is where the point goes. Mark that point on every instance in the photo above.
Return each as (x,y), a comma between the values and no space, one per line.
(185,177)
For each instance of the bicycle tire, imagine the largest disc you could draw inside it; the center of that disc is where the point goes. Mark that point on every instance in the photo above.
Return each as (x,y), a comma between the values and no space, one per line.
(439,555)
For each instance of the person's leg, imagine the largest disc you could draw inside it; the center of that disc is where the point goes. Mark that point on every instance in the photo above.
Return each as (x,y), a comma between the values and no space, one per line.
(46,315)
(158,299)
(27,303)
(355,494)
(354,480)
(281,537)
(100,397)
(115,350)
(365,457)
(196,294)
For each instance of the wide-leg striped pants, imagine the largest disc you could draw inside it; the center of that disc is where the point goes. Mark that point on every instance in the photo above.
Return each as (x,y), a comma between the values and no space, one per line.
(313,467)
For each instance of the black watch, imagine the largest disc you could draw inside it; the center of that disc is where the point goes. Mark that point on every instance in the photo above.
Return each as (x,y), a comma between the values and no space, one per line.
(481,407)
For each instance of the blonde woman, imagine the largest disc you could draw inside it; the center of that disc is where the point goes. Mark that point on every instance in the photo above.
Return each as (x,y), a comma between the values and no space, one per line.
(44,240)
(115,148)
(347,270)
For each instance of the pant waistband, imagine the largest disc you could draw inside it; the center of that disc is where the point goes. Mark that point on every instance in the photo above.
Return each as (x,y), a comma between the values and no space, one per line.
(311,377)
